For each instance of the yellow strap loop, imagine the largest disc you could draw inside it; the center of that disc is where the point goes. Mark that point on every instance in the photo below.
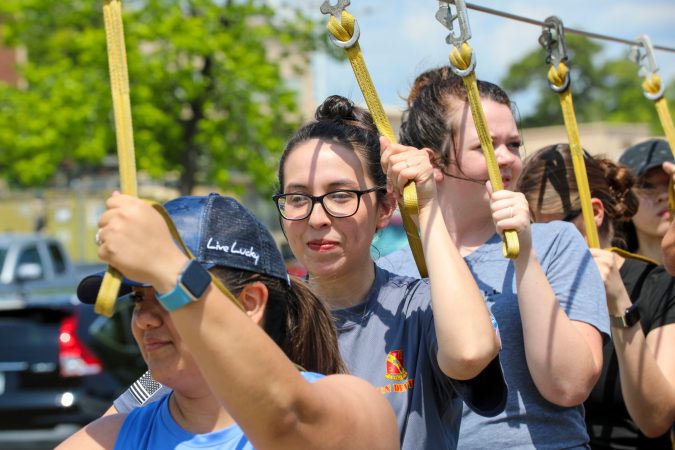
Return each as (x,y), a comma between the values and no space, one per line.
(558,78)
(343,31)
(558,75)
(119,84)
(461,58)
(652,87)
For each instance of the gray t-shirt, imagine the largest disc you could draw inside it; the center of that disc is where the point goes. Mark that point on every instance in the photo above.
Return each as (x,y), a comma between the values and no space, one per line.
(390,341)
(529,420)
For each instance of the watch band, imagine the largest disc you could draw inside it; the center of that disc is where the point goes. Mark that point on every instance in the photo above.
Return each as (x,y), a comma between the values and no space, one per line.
(192,282)
(630,317)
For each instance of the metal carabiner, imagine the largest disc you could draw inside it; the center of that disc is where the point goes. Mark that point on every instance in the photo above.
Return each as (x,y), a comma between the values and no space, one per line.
(642,54)
(552,38)
(336,11)
(445,16)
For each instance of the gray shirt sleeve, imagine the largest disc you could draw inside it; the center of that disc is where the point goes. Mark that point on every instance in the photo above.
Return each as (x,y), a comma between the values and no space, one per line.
(142,391)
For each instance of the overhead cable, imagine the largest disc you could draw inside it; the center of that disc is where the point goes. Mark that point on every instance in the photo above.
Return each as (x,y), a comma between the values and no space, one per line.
(567,29)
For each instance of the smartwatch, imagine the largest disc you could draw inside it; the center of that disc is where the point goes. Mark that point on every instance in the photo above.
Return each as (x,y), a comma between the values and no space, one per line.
(192,283)
(630,317)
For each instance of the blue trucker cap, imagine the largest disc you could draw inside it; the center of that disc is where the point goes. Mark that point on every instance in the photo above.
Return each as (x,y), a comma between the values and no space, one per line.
(219,231)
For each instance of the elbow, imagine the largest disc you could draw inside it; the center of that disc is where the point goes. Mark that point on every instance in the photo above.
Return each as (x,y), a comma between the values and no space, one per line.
(567,399)
(567,394)
(468,364)
(567,391)
(656,423)
(654,430)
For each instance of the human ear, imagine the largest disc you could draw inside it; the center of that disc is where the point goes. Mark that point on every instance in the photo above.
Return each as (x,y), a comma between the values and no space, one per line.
(598,211)
(385,209)
(253,298)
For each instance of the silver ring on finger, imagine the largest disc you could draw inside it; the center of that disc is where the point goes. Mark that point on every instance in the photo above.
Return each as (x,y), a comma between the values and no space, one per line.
(97,238)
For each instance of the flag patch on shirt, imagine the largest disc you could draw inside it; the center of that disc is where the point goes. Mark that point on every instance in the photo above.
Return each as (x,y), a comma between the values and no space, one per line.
(143,388)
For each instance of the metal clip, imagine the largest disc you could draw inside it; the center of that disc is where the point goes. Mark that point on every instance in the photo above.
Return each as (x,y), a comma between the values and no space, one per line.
(643,56)
(553,40)
(445,16)
(336,11)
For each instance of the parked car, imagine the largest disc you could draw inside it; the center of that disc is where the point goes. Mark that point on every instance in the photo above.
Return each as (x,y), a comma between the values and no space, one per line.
(61,365)
(39,265)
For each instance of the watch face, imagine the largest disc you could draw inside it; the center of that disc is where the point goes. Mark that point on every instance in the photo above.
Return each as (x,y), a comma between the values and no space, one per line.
(195,278)
(632,315)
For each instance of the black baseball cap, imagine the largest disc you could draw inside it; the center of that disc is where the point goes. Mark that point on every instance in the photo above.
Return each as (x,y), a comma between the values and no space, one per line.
(646,155)
(219,231)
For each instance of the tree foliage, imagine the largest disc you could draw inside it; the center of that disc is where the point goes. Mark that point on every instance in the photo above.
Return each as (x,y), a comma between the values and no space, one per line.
(603,90)
(208,97)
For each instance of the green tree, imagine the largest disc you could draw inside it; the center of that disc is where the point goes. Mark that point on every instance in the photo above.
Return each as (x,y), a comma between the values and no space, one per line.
(603,90)
(208,98)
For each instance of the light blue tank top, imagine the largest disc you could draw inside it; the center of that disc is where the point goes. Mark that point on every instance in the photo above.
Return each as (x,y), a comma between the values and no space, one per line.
(151,427)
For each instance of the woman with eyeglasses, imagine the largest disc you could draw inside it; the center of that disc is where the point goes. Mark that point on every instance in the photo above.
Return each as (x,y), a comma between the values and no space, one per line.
(633,403)
(243,376)
(545,300)
(425,344)
(421,342)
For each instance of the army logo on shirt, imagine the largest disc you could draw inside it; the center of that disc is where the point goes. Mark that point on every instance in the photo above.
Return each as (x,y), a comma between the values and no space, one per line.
(395,369)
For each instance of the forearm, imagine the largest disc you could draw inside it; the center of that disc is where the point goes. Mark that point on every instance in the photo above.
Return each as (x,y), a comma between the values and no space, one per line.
(649,396)
(668,249)
(265,393)
(466,339)
(246,370)
(253,379)
(559,357)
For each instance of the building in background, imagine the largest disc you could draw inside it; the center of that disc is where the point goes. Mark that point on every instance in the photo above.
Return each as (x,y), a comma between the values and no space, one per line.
(9,58)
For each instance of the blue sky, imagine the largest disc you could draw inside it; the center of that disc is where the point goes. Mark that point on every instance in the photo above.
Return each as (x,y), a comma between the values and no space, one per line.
(401,38)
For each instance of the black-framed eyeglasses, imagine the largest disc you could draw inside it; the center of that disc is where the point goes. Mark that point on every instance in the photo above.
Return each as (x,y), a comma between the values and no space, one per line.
(339,203)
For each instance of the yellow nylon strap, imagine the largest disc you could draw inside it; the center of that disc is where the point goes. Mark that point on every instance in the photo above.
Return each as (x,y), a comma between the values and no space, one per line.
(461,58)
(343,30)
(629,255)
(652,85)
(119,84)
(557,76)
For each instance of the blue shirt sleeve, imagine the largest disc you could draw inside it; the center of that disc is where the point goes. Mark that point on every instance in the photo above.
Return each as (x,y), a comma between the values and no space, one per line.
(572,273)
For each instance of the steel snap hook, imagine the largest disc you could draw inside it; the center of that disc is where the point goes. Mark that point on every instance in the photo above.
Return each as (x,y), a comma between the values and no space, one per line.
(553,40)
(335,11)
(445,16)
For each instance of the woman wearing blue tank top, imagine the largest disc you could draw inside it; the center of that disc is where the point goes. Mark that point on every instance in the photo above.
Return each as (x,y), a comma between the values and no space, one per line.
(234,385)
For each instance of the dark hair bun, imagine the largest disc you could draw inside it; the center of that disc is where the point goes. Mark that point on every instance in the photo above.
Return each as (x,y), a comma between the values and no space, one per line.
(342,110)
(336,108)
(620,181)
